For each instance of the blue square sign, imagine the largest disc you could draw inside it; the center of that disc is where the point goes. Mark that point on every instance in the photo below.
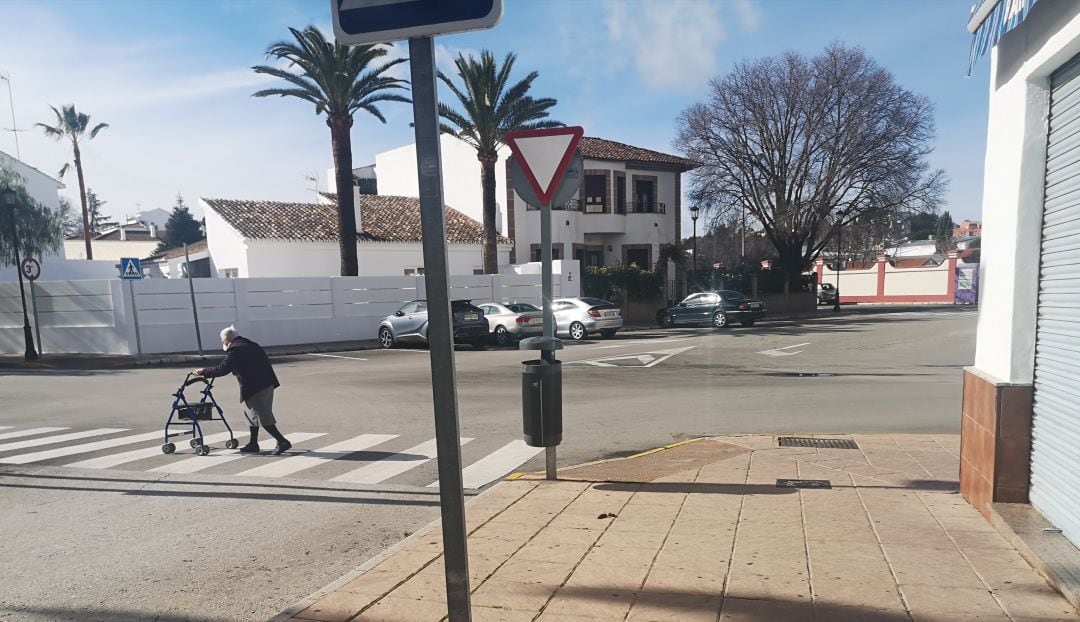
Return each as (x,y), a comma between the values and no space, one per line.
(130,268)
(359,22)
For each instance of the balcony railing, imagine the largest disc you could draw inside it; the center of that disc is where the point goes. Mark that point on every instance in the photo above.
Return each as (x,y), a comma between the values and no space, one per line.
(573,205)
(648,207)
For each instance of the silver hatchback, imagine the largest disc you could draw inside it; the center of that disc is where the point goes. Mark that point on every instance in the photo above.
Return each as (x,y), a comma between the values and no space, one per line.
(580,317)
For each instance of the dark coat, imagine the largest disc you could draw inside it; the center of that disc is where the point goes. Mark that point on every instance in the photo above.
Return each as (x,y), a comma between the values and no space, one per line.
(248,362)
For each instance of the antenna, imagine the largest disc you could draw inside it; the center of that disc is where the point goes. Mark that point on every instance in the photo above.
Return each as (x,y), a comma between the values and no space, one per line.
(313,177)
(14,129)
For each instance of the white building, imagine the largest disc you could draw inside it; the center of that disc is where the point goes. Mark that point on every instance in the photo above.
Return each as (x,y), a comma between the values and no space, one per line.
(275,239)
(1021,424)
(629,204)
(41,187)
(133,239)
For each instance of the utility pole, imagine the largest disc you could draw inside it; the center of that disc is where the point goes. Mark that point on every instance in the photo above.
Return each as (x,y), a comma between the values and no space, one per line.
(11,101)
(8,198)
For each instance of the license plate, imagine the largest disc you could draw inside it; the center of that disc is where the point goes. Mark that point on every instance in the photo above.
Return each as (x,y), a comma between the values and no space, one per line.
(536,320)
(471,317)
(756,305)
(610,313)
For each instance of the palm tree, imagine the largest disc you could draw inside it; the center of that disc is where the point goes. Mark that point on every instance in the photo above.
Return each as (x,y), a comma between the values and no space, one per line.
(490,111)
(72,125)
(340,80)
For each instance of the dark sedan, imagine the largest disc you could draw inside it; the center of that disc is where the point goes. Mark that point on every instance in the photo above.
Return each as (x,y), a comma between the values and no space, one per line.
(719,309)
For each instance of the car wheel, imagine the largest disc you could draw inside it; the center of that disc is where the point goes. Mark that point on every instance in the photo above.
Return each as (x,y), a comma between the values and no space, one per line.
(502,336)
(608,333)
(669,321)
(577,331)
(386,337)
(747,323)
(719,319)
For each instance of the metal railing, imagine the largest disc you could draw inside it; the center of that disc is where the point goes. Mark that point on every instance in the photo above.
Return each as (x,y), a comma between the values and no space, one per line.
(573,205)
(648,207)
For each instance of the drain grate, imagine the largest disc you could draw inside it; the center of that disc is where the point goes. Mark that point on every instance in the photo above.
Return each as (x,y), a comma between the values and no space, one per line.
(820,443)
(804,483)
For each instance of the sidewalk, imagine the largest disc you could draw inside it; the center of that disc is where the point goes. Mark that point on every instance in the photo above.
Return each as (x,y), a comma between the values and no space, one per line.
(701,531)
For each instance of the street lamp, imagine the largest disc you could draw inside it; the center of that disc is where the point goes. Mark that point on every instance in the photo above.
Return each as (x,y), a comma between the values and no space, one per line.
(694,213)
(9,199)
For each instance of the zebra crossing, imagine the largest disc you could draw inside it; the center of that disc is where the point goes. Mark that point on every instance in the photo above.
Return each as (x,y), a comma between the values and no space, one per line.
(369,459)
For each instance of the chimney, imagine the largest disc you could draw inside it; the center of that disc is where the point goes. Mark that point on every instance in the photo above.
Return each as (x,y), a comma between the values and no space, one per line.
(123,234)
(153,231)
(356,208)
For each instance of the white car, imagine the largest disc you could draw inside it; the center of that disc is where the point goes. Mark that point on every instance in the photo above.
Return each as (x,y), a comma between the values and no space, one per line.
(513,320)
(580,317)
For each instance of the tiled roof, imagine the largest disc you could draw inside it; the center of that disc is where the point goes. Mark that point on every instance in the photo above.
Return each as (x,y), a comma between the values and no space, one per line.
(603,149)
(172,253)
(131,235)
(382,218)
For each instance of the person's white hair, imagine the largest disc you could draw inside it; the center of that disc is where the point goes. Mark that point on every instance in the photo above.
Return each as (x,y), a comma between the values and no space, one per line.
(228,334)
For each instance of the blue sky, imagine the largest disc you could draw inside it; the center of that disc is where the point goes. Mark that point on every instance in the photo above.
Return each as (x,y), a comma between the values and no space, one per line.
(172,79)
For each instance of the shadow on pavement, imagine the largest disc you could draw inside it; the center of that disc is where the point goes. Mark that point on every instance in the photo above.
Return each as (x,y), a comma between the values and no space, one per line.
(98,614)
(236,484)
(687,488)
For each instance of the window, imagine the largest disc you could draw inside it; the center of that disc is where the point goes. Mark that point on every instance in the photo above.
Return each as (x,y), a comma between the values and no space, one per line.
(414,271)
(230,273)
(595,194)
(477,271)
(409,308)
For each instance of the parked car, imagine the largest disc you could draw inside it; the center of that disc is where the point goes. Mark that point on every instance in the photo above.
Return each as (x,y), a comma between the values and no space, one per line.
(580,317)
(719,308)
(512,321)
(410,324)
(827,293)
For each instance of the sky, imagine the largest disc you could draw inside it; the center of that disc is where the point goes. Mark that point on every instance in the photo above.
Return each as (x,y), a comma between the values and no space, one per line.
(173,80)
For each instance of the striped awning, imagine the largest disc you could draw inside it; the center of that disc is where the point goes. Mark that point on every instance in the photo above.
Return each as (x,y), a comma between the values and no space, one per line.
(990,20)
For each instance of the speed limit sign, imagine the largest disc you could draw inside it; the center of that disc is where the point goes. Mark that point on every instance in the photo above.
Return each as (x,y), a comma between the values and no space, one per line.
(31,268)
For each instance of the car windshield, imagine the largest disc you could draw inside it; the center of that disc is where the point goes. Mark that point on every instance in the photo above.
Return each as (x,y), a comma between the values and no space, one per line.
(522,308)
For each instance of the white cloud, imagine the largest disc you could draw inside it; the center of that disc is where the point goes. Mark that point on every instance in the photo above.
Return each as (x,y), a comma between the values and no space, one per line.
(672,43)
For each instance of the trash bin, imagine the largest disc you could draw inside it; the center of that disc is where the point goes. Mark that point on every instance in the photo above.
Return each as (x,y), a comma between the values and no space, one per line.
(541,402)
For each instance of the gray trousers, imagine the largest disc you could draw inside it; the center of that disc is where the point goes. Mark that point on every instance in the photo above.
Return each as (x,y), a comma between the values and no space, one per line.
(259,408)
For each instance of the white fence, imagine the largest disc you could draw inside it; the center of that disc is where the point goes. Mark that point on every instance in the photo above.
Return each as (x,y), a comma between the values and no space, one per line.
(154,316)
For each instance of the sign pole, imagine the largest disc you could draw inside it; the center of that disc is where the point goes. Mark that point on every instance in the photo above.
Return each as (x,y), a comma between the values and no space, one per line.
(548,355)
(440,335)
(37,321)
(135,317)
(194,308)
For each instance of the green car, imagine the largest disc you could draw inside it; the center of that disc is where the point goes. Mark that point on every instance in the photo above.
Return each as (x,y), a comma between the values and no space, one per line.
(719,309)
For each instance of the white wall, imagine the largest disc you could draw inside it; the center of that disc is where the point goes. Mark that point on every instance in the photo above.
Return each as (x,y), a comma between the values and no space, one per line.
(57,269)
(276,258)
(110,250)
(1015,165)
(100,316)
(396,171)
(227,247)
(41,187)
(917,281)
(853,282)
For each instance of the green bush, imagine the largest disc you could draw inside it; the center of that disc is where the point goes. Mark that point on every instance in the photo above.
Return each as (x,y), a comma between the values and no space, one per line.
(619,282)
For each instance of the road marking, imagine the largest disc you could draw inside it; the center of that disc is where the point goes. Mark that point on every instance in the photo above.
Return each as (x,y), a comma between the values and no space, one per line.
(395,464)
(639,342)
(30,432)
(783,352)
(70,450)
(112,460)
(337,356)
(496,464)
(201,463)
(5,427)
(288,466)
(640,359)
(49,440)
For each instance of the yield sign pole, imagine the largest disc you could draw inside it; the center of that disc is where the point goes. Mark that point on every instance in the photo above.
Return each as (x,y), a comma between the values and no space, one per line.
(440,336)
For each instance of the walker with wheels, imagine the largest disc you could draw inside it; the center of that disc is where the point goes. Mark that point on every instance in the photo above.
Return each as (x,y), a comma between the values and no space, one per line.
(191,413)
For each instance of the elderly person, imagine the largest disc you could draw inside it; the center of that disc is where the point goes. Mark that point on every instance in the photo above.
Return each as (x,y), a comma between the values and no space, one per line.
(248,362)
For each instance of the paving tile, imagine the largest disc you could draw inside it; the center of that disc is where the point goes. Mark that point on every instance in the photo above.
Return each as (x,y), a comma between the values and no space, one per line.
(623,578)
(833,612)
(929,566)
(336,607)
(980,540)
(848,561)
(939,599)
(592,603)
(377,581)
(492,614)
(693,555)
(967,523)
(956,617)
(746,610)
(532,571)
(1036,602)
(1004,569)
(876,594)
(550,550)
(632,539)
(704,581)
(393,609)
(620,556)
(589,520)
(674,607)
(512,595)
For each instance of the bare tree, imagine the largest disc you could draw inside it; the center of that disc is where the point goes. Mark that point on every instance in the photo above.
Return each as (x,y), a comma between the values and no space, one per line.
(807,145)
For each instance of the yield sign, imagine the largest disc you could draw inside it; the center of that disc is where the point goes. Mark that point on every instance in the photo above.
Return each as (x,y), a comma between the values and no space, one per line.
(544,156)
(641,359)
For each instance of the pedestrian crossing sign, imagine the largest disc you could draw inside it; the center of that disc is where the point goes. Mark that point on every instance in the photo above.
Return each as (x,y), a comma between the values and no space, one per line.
(130,268)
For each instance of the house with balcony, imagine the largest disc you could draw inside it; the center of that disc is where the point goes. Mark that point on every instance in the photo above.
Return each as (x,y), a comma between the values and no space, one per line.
(628,206)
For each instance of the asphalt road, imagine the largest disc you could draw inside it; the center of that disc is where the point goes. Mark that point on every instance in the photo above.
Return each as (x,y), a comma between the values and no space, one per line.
(150,536)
